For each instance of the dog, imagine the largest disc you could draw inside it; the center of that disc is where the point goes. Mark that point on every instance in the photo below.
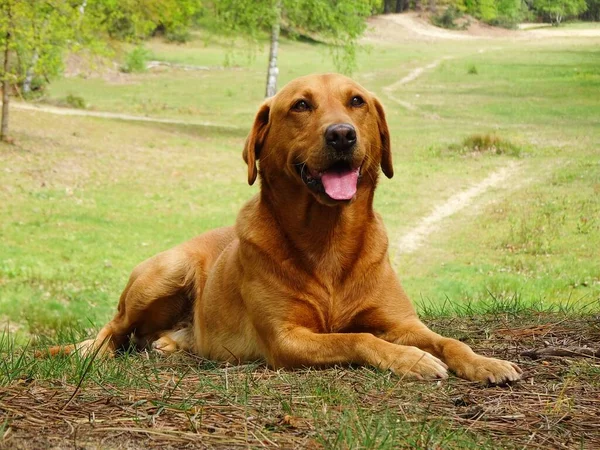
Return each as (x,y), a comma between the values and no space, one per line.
(303,279)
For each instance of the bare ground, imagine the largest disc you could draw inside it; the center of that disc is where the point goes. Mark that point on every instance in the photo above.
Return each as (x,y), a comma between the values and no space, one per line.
(557,405)
(417,236)
(414,26)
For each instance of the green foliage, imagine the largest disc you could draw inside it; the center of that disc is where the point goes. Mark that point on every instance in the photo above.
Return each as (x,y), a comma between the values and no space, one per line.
(447,18)
(75,101)
(593,11)
(41,33)
(339,23)
(486,143)
(558,10)
(472,70)
(178,34)
(503,13)
(133,20)
(136,60)
(510,13)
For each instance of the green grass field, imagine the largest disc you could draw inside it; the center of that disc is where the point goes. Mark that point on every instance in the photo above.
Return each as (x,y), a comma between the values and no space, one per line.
(83,200)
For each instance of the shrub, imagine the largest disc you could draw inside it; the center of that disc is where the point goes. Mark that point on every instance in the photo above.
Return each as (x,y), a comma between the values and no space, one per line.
(75,101)
(447,18)
(472,70)
(486,143)
(178,34)
(136,60)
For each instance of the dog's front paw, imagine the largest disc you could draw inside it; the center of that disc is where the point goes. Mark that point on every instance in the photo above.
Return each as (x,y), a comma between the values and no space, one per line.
(415,363)
(489,370)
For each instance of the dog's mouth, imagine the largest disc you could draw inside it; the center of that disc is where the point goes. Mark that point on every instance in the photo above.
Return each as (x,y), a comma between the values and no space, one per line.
(339,181)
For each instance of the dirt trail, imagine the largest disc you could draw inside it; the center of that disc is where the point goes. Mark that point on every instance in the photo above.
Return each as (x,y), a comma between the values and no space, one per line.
(413,75)
(394,28)
(416,237)
(111,115)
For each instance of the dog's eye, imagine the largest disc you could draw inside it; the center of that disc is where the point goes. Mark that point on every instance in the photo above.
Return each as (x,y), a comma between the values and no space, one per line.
(357,101)
(301,105)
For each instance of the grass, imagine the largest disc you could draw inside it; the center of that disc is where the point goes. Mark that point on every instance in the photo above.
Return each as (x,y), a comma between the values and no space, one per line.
(83,200)
(141,401)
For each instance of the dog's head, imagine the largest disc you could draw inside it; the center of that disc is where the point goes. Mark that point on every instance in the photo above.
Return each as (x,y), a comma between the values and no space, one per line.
(325,133)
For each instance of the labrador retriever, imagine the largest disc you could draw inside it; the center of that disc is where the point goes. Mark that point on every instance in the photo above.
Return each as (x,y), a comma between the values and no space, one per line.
(304,277)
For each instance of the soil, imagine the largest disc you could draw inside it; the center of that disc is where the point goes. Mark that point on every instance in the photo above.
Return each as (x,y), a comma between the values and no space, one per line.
(556,405)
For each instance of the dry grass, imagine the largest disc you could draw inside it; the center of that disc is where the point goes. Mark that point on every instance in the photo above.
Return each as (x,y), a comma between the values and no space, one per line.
(186,403)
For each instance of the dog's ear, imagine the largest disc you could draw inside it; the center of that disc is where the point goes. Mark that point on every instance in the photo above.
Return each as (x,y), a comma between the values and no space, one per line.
(384,133)
(255,140)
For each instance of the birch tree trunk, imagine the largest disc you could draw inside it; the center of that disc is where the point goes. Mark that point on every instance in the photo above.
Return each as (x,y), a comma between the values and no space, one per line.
(29,74)
(273,70)
(5,90)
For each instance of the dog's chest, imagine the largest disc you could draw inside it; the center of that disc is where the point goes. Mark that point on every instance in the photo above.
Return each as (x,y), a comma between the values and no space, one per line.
(340,312)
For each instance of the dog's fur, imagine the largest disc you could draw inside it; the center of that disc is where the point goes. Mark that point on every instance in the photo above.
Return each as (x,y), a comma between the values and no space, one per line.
(302,279)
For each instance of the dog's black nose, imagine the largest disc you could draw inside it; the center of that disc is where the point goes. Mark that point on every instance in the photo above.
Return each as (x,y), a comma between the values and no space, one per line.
(341,136)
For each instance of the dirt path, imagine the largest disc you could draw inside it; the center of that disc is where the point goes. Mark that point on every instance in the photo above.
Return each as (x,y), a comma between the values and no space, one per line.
(394,28)
(413,75)
(111,115)
(416,237)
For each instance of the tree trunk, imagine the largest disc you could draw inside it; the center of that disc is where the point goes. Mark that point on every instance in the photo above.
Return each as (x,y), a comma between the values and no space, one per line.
(29,74)
(399,6)
(387,6)
(5,90)
(273,70)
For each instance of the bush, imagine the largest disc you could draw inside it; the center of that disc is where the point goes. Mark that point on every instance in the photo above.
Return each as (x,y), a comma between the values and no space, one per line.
(178,35)
(75,101)
(447,19)
(505,22)
(136,60)
(486,143)
(37,88)
(472,70)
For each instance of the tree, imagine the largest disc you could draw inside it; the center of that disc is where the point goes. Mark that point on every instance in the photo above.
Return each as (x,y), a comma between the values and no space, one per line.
(593,11)
(273,70)
(34,36)
(339,23)
(134,20)
(558,10)
(7,40)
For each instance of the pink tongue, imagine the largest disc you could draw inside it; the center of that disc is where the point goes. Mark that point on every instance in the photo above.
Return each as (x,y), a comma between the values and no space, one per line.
(340,185)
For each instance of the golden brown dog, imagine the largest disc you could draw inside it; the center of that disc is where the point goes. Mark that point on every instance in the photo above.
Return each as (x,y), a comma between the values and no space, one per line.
(304,278)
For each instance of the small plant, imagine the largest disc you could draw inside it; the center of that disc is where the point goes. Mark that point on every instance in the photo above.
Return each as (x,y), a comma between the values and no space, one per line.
(178,35)
(136,60)
(585,225)
(472,70)
(75,101)
(486,143)
(447,19)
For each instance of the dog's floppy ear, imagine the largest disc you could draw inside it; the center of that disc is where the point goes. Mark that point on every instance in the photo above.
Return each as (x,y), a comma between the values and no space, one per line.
(255,140)
(384,133)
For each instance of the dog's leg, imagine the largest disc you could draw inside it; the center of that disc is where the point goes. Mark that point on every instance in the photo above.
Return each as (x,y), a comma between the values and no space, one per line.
(302,347)
(174,341)
(155,299)
(459,357)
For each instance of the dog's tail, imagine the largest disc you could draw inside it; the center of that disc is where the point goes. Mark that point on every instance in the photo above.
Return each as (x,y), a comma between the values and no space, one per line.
(101,347)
